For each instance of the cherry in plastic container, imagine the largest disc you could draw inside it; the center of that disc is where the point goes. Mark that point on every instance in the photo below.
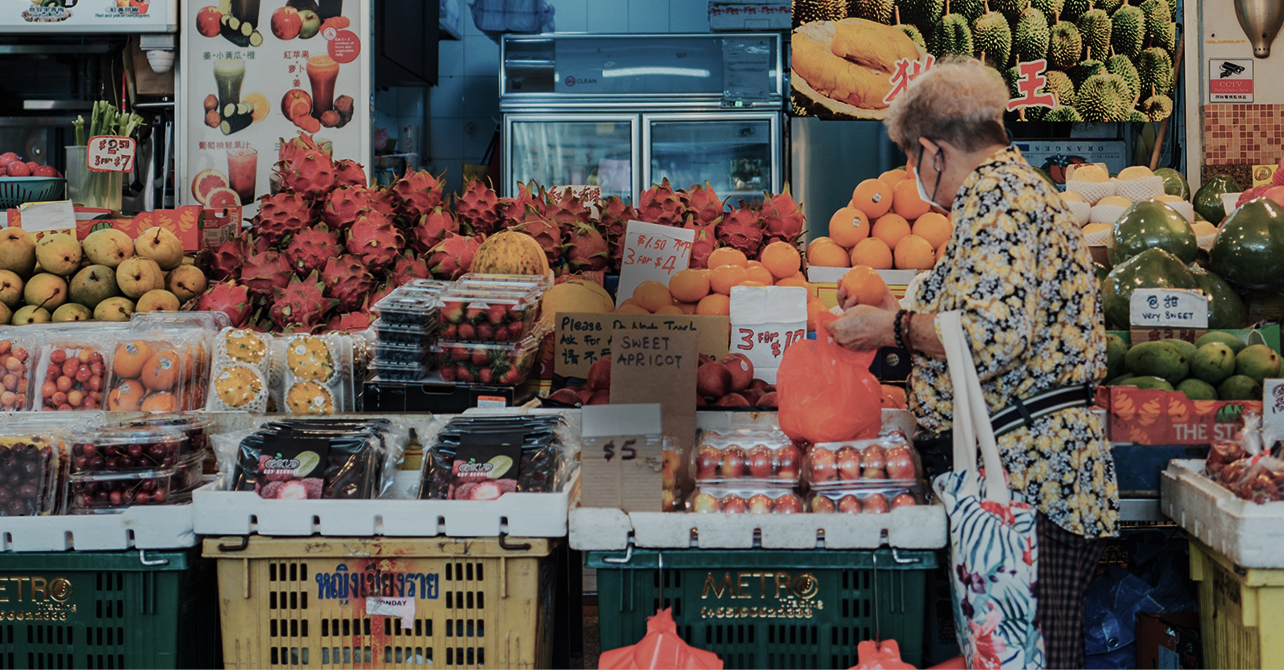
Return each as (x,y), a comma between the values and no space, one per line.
(27,474)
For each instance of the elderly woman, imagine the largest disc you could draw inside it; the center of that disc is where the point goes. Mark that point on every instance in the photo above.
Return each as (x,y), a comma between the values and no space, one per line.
(1019,271)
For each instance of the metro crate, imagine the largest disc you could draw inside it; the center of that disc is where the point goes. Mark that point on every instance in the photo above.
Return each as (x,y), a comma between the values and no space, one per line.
(759,608)
(320,602)
(1239,610)
(132,609)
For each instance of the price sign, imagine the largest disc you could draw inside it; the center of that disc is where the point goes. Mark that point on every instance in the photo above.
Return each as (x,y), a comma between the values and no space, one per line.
(621,457)
(652,253)
(765,321)
(111,154)
(1161,313)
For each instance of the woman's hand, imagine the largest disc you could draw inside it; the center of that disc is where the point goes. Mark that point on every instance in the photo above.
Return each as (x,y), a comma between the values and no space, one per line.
(863,328)
(849,301)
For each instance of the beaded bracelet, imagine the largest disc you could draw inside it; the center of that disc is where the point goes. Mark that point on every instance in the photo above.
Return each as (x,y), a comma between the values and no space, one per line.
(896,328)
(907,337)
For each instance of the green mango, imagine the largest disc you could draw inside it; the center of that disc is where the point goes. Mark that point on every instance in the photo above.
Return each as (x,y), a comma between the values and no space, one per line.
(1257,361)
(1213,363)
(1239,387)
(1237,345)
(1116,350)
(1150,384)
(1196,389)
(1187,348)
(1157,359)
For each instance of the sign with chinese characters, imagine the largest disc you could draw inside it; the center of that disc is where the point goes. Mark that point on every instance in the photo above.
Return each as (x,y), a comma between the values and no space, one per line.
(1230,80)
(258,73)
(582,339)
(1162,313)
(89,16)
(111,154)
(652,253)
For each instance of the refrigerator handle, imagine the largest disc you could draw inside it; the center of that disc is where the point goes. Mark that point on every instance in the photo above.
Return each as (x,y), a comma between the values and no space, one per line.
(641,156)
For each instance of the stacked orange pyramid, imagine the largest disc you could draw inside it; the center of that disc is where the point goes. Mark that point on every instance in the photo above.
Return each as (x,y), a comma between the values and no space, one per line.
(886,226)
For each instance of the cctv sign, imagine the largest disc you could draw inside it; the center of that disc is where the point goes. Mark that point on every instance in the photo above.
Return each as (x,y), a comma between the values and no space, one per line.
(1230,80)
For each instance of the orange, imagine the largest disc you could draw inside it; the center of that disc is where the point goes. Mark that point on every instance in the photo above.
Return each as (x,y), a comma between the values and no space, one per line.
(760,274)
(669,309)
(801,283)
(161,401)
(754,264)
(689,285)
(723,277)
(865,284)
(933,227)
(892,177)
(651,295)
(914,253)
(828,255)
(872,197)
(819,240)
(727,256)
(782,259)
(629,301)
(126,397)
(906,201)
(630,309)
(940,251)
(160,372)
(848,226)
(714,305)
(687,307)
(872,252)
(814,306)
(129,359)
(890,228)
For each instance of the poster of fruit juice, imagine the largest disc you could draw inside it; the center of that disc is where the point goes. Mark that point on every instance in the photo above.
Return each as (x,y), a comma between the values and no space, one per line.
(256,74)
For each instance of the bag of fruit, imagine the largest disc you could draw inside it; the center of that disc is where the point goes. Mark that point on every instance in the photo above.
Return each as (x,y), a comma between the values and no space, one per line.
(827,393)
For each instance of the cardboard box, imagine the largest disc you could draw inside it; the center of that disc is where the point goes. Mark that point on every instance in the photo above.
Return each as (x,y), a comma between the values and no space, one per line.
(1269,335)
(1169,641)
(185,222)
(1169,417)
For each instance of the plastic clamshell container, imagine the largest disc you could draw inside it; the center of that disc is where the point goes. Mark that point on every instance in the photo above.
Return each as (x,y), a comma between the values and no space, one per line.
(34,462)
(733,500)
(407,309)
(194,426)
(402,334)
(747,457)
(97,492)
(487,315)
(16,361)
(502,364)
(864,499)
(539,283)
(397,352)
(886,458)
(394,371)
(129,449)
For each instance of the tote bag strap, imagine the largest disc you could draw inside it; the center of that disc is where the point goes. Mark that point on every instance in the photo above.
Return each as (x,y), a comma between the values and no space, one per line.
(971,416)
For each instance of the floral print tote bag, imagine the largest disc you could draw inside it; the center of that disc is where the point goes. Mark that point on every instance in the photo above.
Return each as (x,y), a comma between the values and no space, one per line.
(994,554)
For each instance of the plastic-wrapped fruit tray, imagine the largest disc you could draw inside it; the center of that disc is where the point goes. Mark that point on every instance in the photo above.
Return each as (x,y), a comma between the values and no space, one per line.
(396,371)
(396,352)
(402,334)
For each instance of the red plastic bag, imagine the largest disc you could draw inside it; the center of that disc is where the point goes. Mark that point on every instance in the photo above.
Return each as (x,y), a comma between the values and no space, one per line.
(871,655)
(827,393)
(661,647)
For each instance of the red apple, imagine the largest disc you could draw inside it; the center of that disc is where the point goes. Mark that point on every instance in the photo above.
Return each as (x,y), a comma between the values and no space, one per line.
(874,504)
(900,463)
(751,396)
(789,503)
(732,400)
(705,503)
(760,504)
(8,157)
(848,463)
(734,504)
(585,393)
(741,371)
(759,384)
(769,400)
(707,460)
(600,398)
(873,456)
(18,169)
(45,171)
(904,500)
(733,463)
(207,21)
(704,359)
(787,459)
(821,505)
(31,166)
(713,380)
(822,465)
(599,374)
(760,462)
(566,396)
(848,504)
(286,23)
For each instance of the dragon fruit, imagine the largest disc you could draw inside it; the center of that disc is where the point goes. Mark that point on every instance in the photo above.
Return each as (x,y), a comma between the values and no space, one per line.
(311,174)
(380,293)
(704,244)
(310,249)
(344,205)
(782,218)
(230,298)
(453,256)
(704,204)
(282,215)
(478,208)
(515,209)
(566,210)
(383,200)
(418,193)
(615,217)
(348,281)
(741,229)
(408,267)
(352,322)
(432,229)
(265,272)
(374,240)
(545,231)
(586,249)
(226,259)
(301,306)
(661,204)
(350,173)
(290,149)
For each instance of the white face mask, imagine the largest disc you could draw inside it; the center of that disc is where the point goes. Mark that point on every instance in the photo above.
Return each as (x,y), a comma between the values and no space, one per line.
(922,192)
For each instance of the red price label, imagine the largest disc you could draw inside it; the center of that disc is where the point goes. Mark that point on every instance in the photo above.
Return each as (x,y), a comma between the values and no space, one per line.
(770,341)
(111,154)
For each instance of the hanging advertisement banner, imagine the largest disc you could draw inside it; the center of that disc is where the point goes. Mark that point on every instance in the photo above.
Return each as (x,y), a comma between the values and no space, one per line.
(89,16)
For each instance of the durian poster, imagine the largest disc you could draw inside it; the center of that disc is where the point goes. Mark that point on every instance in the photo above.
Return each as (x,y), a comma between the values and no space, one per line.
(1063,60)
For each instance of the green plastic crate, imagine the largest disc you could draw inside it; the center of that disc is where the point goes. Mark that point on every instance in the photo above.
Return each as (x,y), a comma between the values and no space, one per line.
(108,610)
(760,608)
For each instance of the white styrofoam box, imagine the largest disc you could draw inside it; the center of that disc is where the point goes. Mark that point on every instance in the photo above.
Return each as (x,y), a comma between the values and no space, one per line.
(920,527)
(1241,530)
(138,527)
(517,514)
(768,16)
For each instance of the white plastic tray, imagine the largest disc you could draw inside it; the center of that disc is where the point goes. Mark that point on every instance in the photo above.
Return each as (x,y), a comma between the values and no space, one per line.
(139,527)
(1243,531)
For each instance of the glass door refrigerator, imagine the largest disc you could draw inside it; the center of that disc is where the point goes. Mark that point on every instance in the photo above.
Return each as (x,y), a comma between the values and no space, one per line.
(621,112)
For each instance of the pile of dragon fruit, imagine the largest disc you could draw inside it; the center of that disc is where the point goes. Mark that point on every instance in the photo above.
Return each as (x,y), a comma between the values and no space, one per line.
(325,246)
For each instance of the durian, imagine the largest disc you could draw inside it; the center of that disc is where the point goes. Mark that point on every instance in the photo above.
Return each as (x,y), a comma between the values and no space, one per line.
(953,36)
(872,10)
(1155,70)
(1062,114)
(1124,68)
(1065,45)
(992,38)
(1103,97)
(1094,30)
(1127,30)
(1030,37)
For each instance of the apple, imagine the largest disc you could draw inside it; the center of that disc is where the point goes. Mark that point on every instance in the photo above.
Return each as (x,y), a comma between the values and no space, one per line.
(207,21)
(311,24)
(45,171)
(734,504)
(789,503)
(904,500)
(707,461)
(900,464)
(848,463)
(873,456)
(760,504)
(733,463)
(874,504)
(822,465)
(760,462)
(286,23)
(705,503)
(871,473)
(848,504)
(8,157)
(18,169)
(821,505)
(787,459)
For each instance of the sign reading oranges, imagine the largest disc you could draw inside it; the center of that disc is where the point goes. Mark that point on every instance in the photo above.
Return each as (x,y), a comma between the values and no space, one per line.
(652,253)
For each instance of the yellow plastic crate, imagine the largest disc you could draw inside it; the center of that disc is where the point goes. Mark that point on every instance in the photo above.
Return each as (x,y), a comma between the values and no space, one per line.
(304,602)
(1239,611)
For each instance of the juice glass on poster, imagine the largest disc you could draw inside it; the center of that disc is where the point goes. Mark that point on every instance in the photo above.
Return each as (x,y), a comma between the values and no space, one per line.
(242,172)
(246,10)
(228,75)
(322,71)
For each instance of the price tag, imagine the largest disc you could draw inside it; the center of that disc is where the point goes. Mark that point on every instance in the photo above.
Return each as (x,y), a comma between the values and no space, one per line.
(1162,313)
(652,253)
(622,457)
(111,154)
(765,321)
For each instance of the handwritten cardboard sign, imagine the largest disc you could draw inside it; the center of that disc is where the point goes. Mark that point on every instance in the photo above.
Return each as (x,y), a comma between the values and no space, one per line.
(766,320)
(584,338)
(622,457)
(1160,313)
(650,366)
(110,154)
(652,253)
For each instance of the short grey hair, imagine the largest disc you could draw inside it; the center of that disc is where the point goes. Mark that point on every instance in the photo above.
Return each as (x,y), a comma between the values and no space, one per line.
(955,102)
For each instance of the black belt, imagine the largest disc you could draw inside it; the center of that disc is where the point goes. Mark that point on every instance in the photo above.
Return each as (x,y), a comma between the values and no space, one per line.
(1023,412)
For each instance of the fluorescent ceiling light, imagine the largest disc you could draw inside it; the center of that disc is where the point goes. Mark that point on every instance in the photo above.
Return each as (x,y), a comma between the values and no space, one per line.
(645,71)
